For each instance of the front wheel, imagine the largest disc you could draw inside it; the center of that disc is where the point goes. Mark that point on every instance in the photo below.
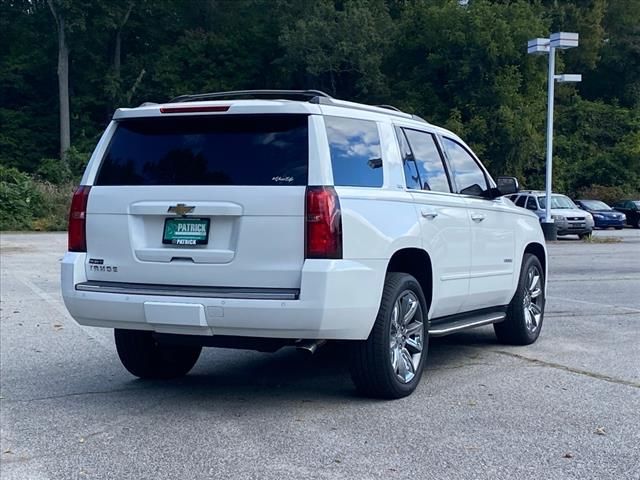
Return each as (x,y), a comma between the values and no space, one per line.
(390,362)
(144,357)
(526,311)
(585,236)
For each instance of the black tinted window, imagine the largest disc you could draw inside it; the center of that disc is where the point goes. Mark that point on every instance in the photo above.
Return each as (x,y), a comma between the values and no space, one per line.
(411,176)
(355,152)
(520,201)
(427,157)
(531,203)
(468,175)
(208,150)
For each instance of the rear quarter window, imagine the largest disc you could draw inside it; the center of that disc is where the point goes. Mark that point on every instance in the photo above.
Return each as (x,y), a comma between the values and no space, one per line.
(208,150)
(356,156)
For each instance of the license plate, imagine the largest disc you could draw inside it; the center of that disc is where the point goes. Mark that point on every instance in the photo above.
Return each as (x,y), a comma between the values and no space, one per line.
(186,231)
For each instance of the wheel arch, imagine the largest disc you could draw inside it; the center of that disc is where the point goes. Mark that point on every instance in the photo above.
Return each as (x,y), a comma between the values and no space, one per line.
(539,251)
(417,263)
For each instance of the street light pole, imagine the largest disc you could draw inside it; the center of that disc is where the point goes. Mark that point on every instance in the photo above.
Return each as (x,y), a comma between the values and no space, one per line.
(549,169)
(538,46)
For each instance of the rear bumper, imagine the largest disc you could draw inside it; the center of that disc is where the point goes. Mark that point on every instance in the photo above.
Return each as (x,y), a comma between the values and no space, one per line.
(328,306)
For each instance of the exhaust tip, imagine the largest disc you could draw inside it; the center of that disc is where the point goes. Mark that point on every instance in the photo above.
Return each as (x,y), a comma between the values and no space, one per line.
(309,346)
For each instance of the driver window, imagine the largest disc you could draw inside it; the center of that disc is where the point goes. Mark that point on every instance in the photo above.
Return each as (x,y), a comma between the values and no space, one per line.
(520,201)
(531,204)
(467,174)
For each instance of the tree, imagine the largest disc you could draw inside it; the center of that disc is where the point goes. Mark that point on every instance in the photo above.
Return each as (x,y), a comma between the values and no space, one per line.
(63,76)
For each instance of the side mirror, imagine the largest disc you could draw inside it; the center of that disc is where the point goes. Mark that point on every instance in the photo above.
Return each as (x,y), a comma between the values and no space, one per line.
(507,185)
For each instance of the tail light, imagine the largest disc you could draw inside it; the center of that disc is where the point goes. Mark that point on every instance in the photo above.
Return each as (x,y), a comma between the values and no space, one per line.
(323,227)
(77,219)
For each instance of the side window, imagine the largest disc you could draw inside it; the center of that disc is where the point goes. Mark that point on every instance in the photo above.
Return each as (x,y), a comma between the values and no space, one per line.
(411,175)
(468,175)
(521,200)
(531,203)
(355,152)
(429,161)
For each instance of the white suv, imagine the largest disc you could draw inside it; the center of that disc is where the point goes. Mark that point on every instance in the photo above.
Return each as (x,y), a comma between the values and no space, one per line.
(263,219)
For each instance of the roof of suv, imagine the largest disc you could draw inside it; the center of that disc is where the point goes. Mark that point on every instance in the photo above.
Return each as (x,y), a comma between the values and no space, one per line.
(294,101)
(537,192)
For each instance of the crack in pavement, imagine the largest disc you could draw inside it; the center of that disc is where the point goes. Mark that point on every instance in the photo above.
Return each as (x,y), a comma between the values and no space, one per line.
(73,394)
(578,371)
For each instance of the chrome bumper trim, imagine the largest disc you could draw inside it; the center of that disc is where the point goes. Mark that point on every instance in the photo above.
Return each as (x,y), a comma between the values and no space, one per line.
(189,291)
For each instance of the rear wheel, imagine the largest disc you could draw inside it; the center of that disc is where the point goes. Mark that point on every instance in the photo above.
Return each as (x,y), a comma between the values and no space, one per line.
(637,225)
(390,362)
(526,311)
(144,357)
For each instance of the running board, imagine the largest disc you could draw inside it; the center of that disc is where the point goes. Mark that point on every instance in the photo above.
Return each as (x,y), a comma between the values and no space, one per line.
(478,320)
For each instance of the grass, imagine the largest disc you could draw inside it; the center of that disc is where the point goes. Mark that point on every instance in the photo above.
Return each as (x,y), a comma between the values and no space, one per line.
(594,239)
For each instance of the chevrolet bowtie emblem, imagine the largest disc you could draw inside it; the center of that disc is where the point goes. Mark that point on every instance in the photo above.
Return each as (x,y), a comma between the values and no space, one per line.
(181,209)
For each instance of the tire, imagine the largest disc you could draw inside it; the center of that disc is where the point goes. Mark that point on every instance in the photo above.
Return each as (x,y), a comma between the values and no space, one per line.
(144,357)
(583,236)
(637,224)
(380,368)
(521,326)
(619,228)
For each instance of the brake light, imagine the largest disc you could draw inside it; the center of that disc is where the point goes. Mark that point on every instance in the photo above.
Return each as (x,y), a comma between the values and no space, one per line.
(323,226)
(77,236)
(210,108)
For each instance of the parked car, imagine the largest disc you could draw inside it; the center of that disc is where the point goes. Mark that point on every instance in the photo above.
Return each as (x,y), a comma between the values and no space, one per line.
(569,219)
(631,208)
(603,215)
(293,218)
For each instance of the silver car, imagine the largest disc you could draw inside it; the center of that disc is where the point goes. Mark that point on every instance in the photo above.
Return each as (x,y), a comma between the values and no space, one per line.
(569,219)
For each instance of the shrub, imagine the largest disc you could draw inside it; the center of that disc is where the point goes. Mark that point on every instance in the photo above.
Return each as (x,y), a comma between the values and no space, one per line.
(607,194)
(30,204)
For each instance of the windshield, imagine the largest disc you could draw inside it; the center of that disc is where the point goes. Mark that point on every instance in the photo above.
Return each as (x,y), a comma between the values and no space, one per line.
(595,205)
(557,201)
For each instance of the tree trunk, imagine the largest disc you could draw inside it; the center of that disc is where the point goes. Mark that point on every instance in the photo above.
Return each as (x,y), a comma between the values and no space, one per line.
(63,83)
(118,44)
(116,55)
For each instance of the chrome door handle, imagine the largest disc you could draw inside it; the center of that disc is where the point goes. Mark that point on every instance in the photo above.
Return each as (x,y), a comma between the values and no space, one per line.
(429,214)
(477,217)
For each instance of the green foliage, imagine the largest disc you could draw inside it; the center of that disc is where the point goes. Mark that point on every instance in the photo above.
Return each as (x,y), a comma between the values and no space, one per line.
(607,194)
(464,67)
(29,204)
(18,199)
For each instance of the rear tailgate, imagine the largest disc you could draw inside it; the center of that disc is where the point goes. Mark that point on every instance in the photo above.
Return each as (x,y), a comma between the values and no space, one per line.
(213,200)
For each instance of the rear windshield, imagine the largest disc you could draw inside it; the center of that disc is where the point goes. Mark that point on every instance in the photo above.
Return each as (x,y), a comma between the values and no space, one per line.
(208,150)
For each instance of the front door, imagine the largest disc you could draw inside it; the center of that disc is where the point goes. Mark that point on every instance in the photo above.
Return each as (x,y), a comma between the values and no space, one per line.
(492,231)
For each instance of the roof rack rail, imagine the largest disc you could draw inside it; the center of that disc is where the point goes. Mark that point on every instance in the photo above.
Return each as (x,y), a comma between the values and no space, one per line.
(311,96)
(389,107)
(301,95)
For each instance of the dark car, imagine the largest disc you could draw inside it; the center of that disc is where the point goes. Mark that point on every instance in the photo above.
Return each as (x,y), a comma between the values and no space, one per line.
(603,215)
(631,208)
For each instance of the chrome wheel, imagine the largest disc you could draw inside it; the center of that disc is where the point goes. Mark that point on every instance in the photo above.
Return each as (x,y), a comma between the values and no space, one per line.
(532,301)
(406,336)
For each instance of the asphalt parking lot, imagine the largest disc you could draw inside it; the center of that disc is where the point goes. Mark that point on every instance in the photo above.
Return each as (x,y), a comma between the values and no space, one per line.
(566,407)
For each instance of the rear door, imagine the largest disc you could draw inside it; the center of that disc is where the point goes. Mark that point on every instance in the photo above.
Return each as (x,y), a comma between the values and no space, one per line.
(444,223)
(209,200)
